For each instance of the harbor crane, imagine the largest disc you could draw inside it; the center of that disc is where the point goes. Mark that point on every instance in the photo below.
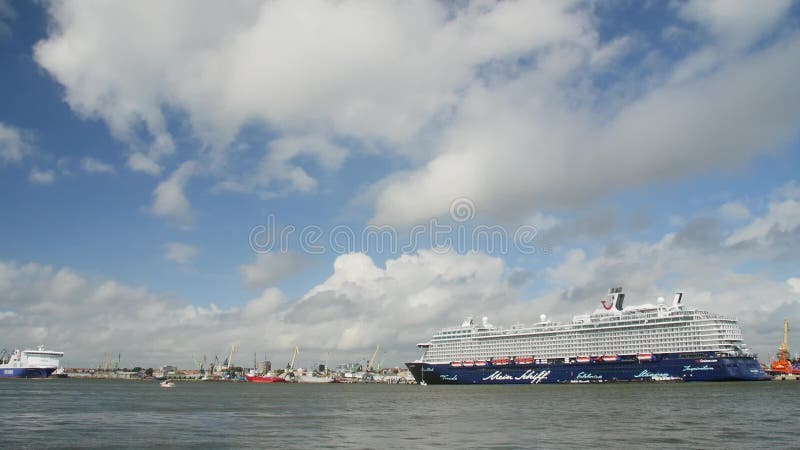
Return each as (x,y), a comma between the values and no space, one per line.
(290,366)
(783,366)
(229,364)
(371,363)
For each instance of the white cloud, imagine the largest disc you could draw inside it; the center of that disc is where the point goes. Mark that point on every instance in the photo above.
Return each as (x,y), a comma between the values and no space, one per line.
(358,306)
(91,165)
(42,177)
(734,211)
(141,163)
(376,72)
(270,268)
(521,147)
(179,252)
(276,168)
(494,101)
(362,304)
(736,24)
(13,144)
(794,284)
(783,215)
(169,199)
(270,301)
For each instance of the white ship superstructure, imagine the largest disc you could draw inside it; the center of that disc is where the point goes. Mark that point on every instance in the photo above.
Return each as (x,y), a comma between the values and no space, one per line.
(39,363)
(612,330)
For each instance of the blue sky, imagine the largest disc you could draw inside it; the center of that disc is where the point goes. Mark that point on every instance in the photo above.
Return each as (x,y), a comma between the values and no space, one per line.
(650,144)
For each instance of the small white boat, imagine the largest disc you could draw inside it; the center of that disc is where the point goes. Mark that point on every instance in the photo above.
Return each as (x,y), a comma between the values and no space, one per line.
(315,379)
(167,384)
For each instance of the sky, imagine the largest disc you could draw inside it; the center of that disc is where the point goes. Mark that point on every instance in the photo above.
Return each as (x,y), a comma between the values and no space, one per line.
(179,177)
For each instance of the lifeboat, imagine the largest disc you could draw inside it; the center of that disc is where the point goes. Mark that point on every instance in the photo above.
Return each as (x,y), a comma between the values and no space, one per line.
(583,359)
(456,363)
(610,358)
(468,363)
(480,363)
(500,361)
(643,357)
(523,360)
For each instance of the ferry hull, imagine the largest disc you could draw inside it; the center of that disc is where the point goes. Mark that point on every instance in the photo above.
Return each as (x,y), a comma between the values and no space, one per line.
(678,369)
(26,372)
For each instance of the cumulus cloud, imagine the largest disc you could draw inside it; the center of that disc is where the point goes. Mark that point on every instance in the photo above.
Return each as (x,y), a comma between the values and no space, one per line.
(169,198)
(734,211)
(377,73)
(523,144)
(782,218)
(498,102)
(91,165)
(270,268)
(141,163)
(14,144)
(357,307)
(361,303)
(277,174)
(736,24)
(179,252)
(43,177)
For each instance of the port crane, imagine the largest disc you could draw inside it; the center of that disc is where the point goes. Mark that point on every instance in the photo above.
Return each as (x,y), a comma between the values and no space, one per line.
(290,366)
(371,363)
(783,366)
(201,365)
(229,364)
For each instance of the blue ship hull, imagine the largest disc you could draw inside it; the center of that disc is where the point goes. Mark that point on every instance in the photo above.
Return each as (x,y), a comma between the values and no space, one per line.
(25,372)
(664,367)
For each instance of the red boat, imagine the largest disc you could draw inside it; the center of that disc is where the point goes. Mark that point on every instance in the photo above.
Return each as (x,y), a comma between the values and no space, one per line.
(264,379)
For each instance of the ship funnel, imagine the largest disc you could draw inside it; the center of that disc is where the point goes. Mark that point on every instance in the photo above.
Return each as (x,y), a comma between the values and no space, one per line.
(617,298)
(677,300)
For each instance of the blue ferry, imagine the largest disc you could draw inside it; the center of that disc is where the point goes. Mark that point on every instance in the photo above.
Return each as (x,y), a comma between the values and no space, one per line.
(615,343)
(38,363)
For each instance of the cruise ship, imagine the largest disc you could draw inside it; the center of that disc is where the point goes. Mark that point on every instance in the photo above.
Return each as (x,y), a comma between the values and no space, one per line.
(38,363)
(615,343)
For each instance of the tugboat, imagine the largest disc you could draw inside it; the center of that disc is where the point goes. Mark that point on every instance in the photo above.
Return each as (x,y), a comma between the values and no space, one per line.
(783,369)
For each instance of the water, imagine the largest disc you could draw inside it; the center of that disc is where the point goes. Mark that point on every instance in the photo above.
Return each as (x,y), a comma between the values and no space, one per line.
(105,413)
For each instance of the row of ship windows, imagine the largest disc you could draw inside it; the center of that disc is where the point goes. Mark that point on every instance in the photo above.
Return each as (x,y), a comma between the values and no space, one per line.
(594,331)
(594,348)
(732,331)
(633,342)
(560,340)
(455,356)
